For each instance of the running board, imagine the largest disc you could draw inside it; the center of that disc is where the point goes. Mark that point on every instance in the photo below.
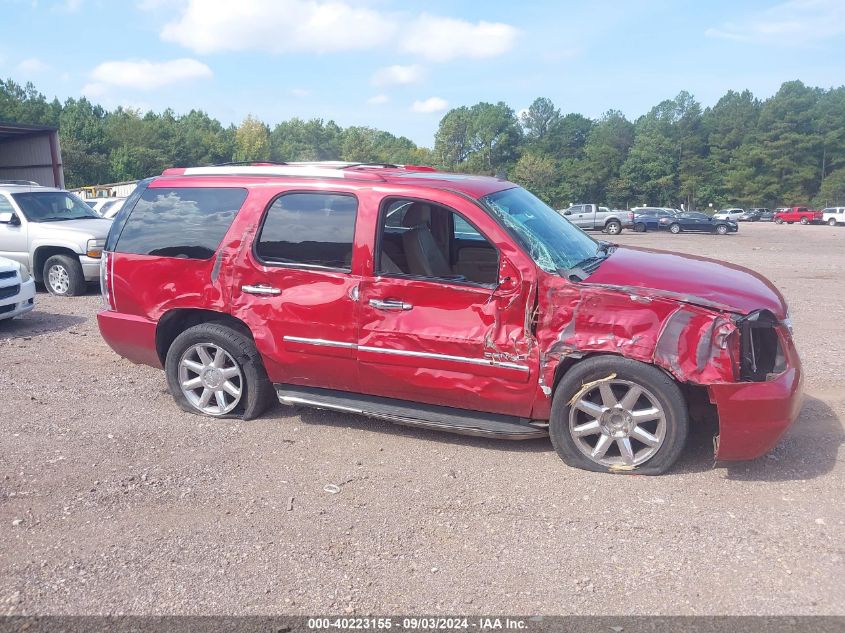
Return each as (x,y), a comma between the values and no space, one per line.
(409,413)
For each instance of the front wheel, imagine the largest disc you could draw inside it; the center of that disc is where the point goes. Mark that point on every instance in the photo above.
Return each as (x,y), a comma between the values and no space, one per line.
(804,221)
(613,228)
(214,370)
(778,220)
(675,228)
(721,229)
(613,414)
(63,276)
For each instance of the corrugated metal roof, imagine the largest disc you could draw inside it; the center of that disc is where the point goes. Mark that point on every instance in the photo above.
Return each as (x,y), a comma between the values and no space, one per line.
(9,130)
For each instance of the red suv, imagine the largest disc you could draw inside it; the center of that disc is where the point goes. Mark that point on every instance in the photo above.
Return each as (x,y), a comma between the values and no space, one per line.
(452,302)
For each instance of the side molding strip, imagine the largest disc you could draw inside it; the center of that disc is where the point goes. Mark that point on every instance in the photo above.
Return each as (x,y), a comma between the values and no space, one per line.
(401,352)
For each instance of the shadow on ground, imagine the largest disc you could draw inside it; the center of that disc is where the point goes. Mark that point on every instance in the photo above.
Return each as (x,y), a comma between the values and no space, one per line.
(36,323)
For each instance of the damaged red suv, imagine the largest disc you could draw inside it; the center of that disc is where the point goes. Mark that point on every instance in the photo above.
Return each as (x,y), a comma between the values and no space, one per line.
(452,302)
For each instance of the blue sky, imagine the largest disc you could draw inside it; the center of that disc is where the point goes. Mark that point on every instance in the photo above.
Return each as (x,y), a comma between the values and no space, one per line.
(400,65)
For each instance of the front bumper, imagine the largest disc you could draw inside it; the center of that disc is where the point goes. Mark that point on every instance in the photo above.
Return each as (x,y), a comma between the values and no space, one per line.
(19,304)
(753,416)
(90,267)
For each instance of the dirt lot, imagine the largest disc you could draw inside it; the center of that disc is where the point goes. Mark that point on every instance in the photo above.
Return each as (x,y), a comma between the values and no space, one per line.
(112,500)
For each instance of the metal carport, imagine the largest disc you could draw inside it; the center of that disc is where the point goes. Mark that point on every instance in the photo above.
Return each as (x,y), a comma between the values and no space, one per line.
(31,152)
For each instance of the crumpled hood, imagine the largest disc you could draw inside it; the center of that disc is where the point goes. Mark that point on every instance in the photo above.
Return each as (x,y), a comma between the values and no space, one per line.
(95,228)
(691,279)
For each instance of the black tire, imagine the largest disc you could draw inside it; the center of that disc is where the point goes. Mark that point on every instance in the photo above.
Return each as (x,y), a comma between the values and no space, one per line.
(257,391)
(663,388)
(831,222)
(804,221)
(67,280)
(639,227)
(613,227)
(675,228)
(721,229)
(778,220)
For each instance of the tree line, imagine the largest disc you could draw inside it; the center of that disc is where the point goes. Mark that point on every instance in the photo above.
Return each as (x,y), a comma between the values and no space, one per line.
(787,149)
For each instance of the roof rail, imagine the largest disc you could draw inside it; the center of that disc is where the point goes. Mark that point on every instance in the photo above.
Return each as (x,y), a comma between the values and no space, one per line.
(327,169)
(28,183)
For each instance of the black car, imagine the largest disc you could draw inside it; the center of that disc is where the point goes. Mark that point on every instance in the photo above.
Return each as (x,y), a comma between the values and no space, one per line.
(648,219)
(699,222)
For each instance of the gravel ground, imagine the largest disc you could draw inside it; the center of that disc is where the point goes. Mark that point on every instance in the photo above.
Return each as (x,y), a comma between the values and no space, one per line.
(112,500)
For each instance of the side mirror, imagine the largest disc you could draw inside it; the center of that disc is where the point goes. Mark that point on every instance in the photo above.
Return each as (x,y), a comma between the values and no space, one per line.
(9,217)
(567,212)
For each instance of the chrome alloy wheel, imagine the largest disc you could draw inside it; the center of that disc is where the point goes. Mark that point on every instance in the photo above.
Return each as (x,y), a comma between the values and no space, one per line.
(210,379)
(617,423)
(59,279)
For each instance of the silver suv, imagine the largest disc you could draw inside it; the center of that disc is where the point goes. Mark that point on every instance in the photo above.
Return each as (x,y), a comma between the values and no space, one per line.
(54,234)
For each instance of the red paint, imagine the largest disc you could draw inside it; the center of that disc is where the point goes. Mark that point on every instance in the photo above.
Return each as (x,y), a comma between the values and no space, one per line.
(677,312)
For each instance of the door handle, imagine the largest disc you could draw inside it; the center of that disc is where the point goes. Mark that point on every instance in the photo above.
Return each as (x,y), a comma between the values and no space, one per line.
(261,290)
(390,304)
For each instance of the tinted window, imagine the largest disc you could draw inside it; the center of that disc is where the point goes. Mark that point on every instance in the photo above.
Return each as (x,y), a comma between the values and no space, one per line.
(180,222)
(309,229)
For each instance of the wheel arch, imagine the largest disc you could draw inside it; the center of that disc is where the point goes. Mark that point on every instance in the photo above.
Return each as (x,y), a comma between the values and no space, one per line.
(176,321)
(43,253)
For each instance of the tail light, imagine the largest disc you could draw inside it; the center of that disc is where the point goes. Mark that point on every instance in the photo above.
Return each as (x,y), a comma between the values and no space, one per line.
(105,279)
(631,215)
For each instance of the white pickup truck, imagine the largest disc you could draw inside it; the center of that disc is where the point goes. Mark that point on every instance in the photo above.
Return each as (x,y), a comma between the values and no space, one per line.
(592,216)
(54,234)
(833,215)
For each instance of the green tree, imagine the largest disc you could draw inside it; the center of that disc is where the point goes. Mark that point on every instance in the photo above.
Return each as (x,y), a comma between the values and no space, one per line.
(252,141)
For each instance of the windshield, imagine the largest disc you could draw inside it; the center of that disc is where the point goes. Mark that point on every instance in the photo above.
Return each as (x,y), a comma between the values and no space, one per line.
(52,206)
(552,241)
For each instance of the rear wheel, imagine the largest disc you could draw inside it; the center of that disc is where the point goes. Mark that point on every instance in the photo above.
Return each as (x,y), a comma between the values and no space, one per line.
(612,414)
(675,228)
(832,222)
(805,221)
(214,370)
(721,229)
(639,227)
(62,274)
(613,227)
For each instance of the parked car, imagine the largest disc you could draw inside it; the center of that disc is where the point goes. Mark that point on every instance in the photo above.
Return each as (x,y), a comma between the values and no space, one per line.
(105,207)
(766,215)
(752,215)
(592,216)
(729,214)
(803,215)
(54,234)
(649,218)
(698,222)
(330,287)
(17,289)
(833,215)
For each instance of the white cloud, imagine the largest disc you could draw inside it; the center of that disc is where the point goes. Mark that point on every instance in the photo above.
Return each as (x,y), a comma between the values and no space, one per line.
(397,75)
(300,93)
(33,65)
(278,26)
(430,105)
(791,23)
(326,26)
(378,99)
(442,39)
(141,74)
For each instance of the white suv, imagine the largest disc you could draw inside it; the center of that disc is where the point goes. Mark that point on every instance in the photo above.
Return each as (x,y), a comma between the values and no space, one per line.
(17,289)
(833,215)
(729,214)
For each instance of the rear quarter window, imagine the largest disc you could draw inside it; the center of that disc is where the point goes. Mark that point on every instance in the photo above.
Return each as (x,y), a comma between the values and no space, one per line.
(185,222)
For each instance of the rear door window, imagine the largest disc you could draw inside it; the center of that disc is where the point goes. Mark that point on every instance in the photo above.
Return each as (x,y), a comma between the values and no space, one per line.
(184,222)
(310,230)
